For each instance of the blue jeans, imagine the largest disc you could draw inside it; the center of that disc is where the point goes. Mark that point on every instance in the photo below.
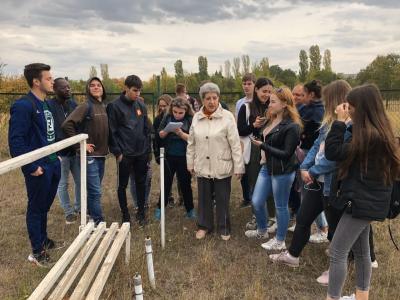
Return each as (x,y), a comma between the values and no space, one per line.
(70,164)
(279,186)
(95,173)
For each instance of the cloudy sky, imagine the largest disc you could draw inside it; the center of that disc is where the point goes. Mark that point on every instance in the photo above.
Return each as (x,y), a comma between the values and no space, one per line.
(142,36)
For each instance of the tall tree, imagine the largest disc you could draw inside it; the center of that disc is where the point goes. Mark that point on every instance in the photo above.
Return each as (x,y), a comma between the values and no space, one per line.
(236,67)
(384,71)
(327,60)
(92,72)
(315,59)
(303,64)
(227,69)
(179,75)
(104,71)
(203,68)
(246,63)
(264,66)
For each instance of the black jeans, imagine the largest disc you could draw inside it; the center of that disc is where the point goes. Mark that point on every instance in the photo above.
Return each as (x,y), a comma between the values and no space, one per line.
(177,164)
(138,166)
(311,206)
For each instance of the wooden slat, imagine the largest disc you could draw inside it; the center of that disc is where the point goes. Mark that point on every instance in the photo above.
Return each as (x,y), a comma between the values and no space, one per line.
(73,271)
(87,277)
(105,270)
(52,276)
(27,158)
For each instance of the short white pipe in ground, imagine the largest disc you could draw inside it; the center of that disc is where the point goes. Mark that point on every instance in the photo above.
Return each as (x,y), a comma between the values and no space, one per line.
(162,166)
(137,280)
(149,258)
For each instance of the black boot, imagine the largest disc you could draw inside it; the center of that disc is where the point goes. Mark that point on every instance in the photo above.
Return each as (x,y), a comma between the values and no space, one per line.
(126,217)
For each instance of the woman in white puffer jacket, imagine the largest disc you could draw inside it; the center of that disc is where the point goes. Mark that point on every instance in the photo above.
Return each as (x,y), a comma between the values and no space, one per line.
(214,154)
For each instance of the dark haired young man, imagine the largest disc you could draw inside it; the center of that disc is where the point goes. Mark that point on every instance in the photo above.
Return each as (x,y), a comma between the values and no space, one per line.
(61,107)
(180,91)
(130,142)
(91,118)
(248,82)
(32,127)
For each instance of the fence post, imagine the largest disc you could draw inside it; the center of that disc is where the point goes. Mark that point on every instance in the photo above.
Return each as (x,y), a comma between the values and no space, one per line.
(83,183)
(162,166)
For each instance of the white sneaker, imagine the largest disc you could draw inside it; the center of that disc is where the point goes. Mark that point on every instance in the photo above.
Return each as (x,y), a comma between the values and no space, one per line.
(273,228)
(319,237)
(324,278)
(351,297)
(256,234)
(286,258)
(274,244)
(291,228)
(374,264)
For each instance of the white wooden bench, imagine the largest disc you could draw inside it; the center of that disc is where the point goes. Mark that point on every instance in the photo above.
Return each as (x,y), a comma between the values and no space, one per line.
(79,254)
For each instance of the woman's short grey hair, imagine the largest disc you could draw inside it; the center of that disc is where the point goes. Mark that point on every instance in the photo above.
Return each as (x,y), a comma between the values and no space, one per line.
(208,87)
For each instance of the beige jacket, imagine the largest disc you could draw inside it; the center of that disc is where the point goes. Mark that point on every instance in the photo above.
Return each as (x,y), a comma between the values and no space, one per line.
(213,149)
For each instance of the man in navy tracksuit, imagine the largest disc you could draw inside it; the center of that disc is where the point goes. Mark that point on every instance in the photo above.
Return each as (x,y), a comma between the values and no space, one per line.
(31,127)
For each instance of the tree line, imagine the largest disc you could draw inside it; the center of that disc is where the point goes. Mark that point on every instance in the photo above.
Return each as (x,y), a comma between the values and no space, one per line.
(384,71)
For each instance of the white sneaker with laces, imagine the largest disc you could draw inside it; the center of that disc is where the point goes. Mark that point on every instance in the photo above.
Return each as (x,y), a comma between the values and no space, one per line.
(274,244)
(286,258)
(256,234)
(252,224)
(291,228)
(351,297)
(272,228)
(319,237)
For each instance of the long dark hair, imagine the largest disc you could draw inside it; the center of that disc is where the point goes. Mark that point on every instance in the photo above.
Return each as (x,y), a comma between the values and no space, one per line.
(372,135)
(256,107)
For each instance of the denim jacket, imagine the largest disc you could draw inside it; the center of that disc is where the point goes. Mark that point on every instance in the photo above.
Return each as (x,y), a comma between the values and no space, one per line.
(324,166)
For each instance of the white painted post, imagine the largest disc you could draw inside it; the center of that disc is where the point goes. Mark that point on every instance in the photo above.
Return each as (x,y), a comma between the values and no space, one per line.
(162,166)
(149,258)
(138,287)
(83,183)
(128,248)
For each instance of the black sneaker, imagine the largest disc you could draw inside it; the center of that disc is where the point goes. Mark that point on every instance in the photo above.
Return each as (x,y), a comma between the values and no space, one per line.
(126,217)
(41,259)
(50,244)
(70,219)
(245,204)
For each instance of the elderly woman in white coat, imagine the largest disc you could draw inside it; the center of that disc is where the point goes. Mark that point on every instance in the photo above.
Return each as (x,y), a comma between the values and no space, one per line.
(214,154)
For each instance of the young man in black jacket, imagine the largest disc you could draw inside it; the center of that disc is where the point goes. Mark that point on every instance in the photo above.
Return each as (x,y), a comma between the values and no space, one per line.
(130,142)
(61,106)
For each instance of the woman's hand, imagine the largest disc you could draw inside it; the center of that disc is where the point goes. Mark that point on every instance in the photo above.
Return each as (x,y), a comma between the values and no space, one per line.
(259,122)
(306,177)
(191,171)
(342,112)
(163,134)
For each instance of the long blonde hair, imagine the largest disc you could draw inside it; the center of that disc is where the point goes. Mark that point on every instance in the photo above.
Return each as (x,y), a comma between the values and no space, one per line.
(285,95)
(333,94)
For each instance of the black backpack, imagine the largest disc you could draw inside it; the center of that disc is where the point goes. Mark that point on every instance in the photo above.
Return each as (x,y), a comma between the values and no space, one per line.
(394,209)
(83,126)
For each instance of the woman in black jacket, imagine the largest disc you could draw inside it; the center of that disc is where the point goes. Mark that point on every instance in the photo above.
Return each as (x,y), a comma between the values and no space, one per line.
(281,137)
(368,165)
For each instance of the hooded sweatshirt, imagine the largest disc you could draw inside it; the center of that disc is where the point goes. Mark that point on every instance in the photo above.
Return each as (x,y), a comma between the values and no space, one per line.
(96,127)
